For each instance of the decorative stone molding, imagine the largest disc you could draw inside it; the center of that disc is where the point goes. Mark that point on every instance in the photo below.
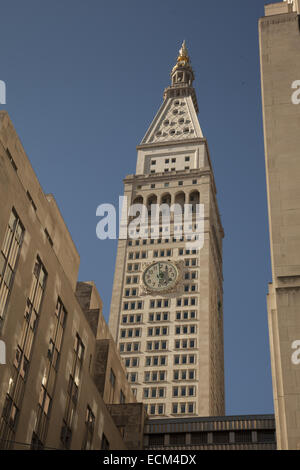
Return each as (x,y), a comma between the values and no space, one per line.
(278,19)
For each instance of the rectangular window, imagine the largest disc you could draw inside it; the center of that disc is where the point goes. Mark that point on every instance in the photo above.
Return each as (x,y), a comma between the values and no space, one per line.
(122,397)
(13,163)
(221,437)
(31,201)
(48,237)
(104,443)
(66,435)
(112,378)
(89,431)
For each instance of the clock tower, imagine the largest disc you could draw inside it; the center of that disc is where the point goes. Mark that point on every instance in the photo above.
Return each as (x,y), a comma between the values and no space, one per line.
(167,302)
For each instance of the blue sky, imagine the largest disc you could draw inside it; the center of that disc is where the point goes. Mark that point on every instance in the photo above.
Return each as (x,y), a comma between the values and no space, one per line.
(85,79)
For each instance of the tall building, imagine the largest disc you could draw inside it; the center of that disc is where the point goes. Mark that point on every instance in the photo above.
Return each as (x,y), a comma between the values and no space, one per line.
(280,76)
(166,311)
(63,385)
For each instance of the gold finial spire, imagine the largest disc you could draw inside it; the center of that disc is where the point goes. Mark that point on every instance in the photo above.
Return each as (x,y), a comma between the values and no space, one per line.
(183,53)
(182,77)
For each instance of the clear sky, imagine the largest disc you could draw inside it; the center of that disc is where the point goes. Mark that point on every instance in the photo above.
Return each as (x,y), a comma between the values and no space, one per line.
(84,80)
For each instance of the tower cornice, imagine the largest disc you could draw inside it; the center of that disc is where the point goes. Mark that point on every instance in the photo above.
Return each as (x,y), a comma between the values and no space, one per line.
(197,140)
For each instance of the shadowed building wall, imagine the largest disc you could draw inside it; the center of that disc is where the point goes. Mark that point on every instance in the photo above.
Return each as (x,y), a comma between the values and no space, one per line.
(62,367)
(280,67)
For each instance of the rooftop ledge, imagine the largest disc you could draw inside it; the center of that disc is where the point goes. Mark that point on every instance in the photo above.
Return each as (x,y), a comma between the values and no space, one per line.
(280,8)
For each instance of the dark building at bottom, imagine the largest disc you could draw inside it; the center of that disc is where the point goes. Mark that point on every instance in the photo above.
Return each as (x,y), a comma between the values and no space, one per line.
(254,432)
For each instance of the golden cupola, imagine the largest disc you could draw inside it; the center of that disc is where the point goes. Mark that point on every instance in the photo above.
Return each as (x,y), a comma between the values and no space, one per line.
(182,77)
(182,72)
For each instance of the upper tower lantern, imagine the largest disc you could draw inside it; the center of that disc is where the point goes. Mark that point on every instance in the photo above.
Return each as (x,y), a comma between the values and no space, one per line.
(182,72)
(182,76)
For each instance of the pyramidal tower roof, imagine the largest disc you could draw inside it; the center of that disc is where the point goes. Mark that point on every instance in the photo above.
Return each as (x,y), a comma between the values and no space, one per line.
(177,117)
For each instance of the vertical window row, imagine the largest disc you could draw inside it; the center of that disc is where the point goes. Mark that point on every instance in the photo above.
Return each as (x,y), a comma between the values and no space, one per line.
(49,378)
(73,392)
(8,259)
(14,396)
(89,429)
(112,381)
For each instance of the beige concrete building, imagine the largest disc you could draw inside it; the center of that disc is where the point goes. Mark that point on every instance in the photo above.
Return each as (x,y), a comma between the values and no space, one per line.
(63,385)
(280,75)
(167,303)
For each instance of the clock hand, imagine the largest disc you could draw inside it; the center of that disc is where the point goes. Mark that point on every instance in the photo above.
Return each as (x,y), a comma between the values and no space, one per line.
(161,274)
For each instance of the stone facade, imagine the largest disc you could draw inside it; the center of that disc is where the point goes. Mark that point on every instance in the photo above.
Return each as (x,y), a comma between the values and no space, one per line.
(280,68)
(172,342)
(62,367)
(130,420)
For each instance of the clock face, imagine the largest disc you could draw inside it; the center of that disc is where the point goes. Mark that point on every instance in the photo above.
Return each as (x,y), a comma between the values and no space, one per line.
(160,276)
